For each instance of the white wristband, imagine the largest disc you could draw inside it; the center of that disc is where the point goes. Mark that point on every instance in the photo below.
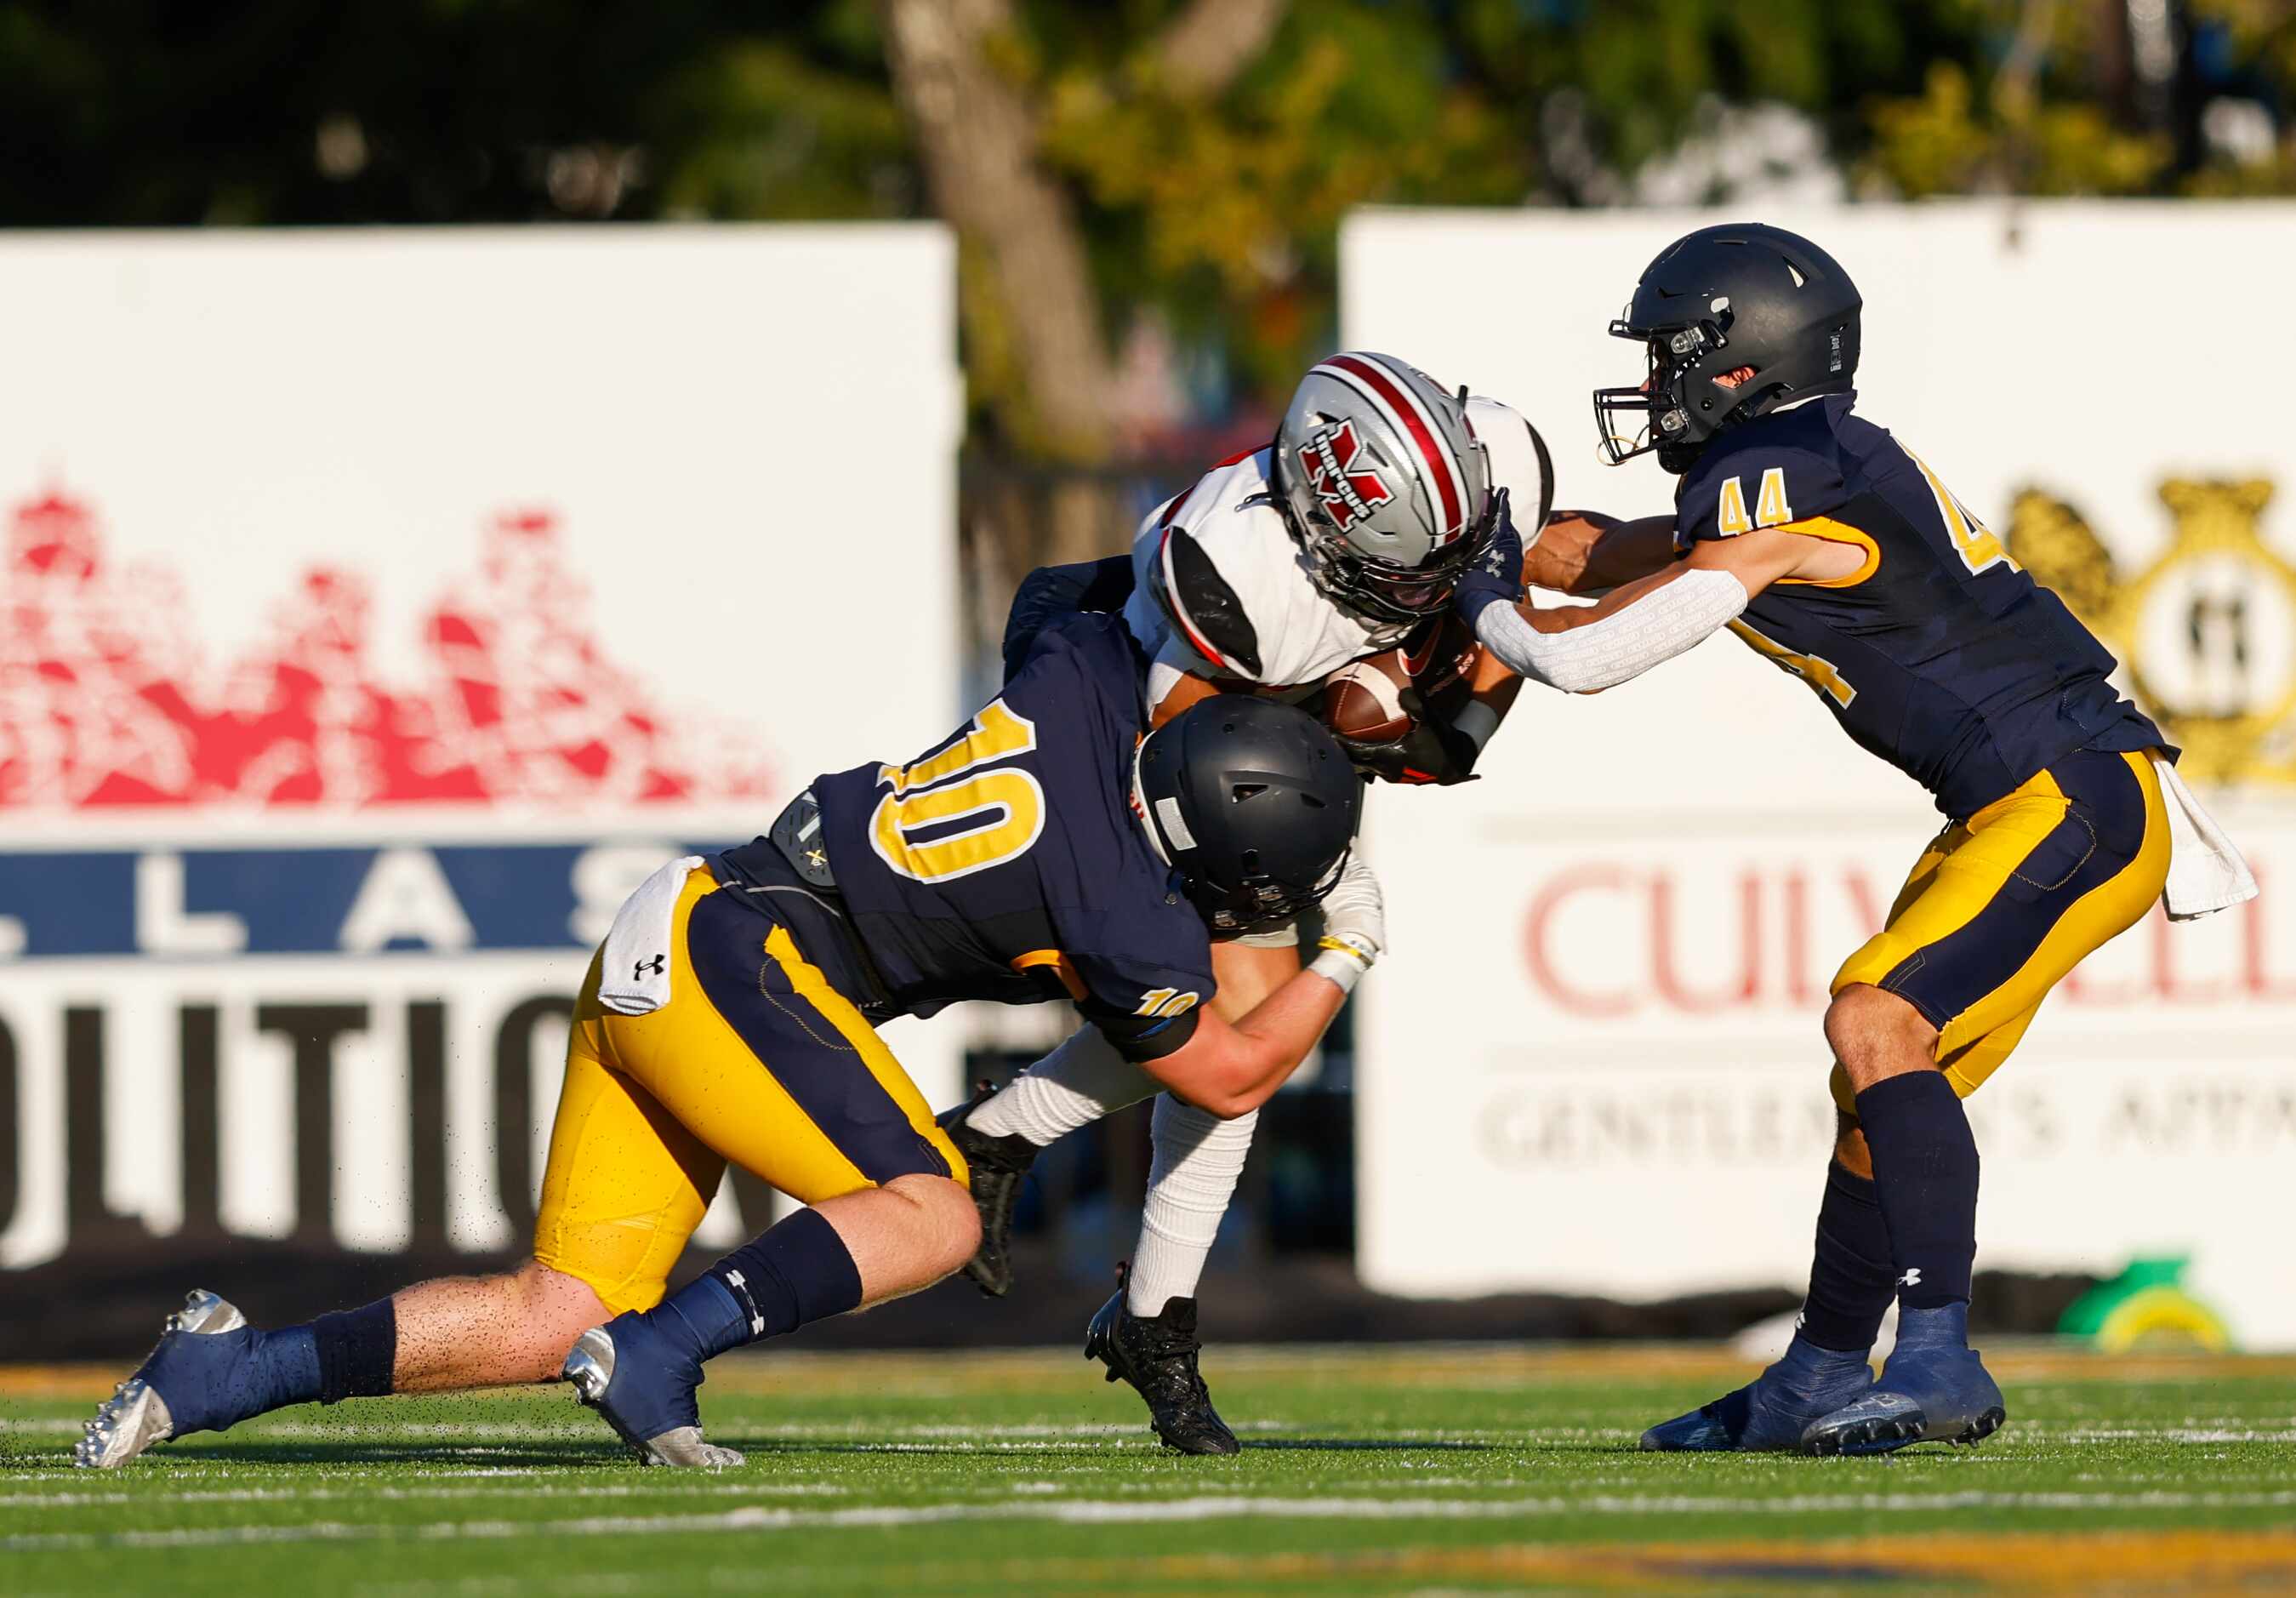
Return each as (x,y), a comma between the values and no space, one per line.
(1341,964)
(1656,627)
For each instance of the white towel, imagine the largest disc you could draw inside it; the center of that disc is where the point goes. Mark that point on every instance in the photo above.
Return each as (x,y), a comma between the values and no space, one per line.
(2206,874)
(634,980)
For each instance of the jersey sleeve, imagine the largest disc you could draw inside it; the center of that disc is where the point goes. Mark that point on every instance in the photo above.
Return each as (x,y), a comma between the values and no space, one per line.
(1733,492)
(1143,984)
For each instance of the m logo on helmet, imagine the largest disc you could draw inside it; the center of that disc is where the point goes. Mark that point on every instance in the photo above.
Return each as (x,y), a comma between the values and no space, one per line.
(1349,487)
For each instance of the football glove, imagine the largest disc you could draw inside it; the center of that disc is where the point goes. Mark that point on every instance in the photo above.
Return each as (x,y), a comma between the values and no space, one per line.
(1496,577)
(1433,752)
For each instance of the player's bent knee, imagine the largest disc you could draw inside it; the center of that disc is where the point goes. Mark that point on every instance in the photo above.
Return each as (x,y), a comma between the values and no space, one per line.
(948,1222)
(1877,1034)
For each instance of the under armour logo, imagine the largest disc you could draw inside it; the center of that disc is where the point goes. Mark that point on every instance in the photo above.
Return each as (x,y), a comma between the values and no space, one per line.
(740,1284)
(654,967)
(816,858)
(1911,1279)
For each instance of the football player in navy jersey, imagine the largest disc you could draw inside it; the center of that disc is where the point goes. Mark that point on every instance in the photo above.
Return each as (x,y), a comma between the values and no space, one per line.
(1055,848)
(1833,550)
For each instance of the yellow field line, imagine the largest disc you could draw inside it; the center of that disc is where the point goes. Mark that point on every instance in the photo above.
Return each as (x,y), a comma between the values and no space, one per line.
(2092,1562)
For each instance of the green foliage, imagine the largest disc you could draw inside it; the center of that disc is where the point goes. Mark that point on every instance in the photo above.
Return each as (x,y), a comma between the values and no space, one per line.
(1220,212)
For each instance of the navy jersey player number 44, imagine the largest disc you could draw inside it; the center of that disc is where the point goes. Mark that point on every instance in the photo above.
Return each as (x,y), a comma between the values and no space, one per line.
(1830,547)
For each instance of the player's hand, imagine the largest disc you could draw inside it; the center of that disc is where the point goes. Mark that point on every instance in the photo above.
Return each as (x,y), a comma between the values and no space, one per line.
(1496,577)
(1433,752)
(1353,913)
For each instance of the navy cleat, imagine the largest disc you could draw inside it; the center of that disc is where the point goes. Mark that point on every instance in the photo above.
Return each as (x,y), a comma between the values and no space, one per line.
(1157,1355)
(186,1384)
(643,1383)
(1933,1389)
(994,1165)
(1773,1411)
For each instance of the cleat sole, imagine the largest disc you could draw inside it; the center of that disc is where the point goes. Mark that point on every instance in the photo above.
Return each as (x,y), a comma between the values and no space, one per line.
(1982,1427)
(136,1418)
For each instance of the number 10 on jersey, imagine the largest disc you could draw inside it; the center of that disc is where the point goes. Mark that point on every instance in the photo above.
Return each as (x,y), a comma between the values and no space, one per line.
(958,810)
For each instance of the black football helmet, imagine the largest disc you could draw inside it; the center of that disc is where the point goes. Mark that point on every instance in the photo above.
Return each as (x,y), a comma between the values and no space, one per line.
(1717,299)
(1253,804)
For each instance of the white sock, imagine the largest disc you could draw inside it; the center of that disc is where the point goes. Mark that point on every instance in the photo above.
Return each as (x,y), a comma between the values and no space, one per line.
(1074,1085)
(1198,1158)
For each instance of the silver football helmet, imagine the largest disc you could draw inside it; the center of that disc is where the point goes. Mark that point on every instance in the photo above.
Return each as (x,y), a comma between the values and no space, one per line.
(1385,484)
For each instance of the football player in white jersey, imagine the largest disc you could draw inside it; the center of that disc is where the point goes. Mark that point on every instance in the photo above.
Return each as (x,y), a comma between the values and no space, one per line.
(1342,539)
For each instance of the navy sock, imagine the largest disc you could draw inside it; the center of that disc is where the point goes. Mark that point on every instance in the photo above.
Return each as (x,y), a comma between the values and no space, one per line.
(356,1349)
(1851,1280)
(798,1270)
(1926,1176)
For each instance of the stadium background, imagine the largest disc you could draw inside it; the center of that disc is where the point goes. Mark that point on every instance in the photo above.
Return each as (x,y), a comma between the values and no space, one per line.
(380,603)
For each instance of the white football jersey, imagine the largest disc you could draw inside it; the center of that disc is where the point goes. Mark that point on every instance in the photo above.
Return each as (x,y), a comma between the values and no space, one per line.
(1281,632)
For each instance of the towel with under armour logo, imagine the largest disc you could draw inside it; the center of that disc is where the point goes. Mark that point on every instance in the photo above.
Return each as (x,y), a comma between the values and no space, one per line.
(634,980)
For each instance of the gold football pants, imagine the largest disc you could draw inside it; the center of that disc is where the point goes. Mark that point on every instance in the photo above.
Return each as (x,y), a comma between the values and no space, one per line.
(2002,906)
(756,1059)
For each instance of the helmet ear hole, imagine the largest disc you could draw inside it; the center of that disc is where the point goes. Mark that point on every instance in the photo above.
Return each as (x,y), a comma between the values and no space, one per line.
(1250,861)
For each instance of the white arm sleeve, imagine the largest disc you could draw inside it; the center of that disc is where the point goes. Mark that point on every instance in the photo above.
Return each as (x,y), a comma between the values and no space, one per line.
(1584,660)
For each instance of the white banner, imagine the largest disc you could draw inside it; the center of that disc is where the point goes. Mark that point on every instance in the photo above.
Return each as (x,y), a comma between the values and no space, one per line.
(1594,1062)
(376,609)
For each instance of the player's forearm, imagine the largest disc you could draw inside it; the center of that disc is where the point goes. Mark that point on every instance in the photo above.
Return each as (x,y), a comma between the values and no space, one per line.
(1491,695)
(1626,552)
(1240,1067)
(1586,651)
(1584,552)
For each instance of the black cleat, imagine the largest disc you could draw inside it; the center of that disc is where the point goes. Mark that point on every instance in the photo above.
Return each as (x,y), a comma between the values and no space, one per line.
(996,1166)
(1157,1355)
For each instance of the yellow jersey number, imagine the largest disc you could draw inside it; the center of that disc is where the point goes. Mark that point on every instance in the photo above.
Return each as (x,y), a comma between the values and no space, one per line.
(1815,670)
(962,783)
(1978,545)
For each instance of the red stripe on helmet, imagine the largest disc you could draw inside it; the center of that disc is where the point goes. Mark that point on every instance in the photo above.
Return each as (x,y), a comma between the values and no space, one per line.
(1440,464)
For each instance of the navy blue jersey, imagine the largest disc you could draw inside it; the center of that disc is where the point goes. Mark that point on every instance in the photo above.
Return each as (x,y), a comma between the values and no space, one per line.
(1939,653)
(1006,863)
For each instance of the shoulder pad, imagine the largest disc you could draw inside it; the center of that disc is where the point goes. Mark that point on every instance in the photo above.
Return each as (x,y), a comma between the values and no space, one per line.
(1203,605)
(1737,489)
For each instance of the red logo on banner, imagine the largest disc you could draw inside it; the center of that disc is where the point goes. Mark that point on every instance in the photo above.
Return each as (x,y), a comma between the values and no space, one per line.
(105,699)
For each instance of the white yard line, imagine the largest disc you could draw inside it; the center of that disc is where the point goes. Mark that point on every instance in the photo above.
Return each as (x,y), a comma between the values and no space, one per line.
(1107,1512)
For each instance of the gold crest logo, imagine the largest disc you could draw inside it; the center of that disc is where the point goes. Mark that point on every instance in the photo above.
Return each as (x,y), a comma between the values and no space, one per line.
(2206,633)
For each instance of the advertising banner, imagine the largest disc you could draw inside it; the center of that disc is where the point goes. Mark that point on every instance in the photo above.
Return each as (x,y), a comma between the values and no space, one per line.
(376,610)
(1594,1063)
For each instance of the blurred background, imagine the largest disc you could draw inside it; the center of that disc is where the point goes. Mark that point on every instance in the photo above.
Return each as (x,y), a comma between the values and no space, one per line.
(380,602)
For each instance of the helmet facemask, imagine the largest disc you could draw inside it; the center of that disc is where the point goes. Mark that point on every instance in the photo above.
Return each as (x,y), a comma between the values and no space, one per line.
(1256,902)
(1383,591)
(1673,412)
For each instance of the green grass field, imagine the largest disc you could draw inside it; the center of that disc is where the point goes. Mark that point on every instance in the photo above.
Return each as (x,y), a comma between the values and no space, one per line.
(1400,1469)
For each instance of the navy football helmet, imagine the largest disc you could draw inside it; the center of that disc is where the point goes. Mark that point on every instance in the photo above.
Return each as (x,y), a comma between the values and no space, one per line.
(1717,300)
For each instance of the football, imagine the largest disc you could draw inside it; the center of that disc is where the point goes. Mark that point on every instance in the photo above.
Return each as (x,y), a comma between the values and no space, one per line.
(1364,699)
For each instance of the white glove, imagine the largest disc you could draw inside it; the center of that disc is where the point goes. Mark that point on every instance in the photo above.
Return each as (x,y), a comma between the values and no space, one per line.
(1355,926)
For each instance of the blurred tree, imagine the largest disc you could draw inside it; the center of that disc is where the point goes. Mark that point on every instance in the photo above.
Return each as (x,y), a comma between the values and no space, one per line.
(1109,164)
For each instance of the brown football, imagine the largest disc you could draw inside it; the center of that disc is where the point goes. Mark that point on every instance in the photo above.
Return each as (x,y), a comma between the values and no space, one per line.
(1364,699)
